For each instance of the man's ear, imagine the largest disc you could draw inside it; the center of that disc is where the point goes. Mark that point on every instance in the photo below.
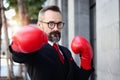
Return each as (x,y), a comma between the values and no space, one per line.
(38,23)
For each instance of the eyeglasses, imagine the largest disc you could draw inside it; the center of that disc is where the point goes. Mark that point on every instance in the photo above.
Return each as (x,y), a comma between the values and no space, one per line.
(52,24)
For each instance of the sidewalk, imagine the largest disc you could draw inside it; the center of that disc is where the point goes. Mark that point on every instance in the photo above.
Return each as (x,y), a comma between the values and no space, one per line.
(4,69)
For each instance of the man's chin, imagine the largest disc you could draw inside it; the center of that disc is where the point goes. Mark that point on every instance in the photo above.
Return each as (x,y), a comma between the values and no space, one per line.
(54,39)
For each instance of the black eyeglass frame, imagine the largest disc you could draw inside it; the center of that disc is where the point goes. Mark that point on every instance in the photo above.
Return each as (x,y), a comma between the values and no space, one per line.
(52,24)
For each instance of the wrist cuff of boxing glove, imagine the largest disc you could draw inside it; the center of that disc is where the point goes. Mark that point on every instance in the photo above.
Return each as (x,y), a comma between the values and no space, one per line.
(86,64)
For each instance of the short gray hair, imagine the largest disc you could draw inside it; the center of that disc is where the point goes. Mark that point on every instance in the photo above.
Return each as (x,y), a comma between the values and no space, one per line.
(43,10)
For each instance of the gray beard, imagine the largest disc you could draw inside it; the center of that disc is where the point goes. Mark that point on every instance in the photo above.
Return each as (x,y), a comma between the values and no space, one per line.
(54,36)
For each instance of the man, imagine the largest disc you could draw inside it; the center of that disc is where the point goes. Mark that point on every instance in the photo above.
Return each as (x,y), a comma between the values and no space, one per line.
(46,60)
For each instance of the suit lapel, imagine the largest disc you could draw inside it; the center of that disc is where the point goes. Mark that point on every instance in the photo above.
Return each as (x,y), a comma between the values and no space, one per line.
(66,53)
(70,60)
(52,53)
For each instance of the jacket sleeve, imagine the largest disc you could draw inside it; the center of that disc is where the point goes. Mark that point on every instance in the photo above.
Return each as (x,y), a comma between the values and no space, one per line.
(84,74)
(21,57)
(81,74)
(78,72)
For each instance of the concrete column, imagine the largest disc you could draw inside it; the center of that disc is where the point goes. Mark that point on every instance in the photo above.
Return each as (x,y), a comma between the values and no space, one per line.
(81,21)
(108,40)
(82,18)
(64,9)
(70,20)
(71,27)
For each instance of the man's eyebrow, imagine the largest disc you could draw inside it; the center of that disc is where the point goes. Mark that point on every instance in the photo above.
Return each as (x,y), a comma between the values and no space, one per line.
(55,22)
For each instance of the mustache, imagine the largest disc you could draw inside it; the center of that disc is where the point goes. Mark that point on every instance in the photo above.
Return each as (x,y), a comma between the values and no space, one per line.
(55,33)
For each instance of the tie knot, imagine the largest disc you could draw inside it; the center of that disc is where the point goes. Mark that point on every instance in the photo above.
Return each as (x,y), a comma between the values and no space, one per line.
(55,46)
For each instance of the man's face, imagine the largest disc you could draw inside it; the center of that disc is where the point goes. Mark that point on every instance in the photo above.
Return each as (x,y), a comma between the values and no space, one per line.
(51,17)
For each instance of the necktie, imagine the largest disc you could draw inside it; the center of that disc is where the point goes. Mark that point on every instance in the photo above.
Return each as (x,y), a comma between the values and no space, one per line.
(59,53)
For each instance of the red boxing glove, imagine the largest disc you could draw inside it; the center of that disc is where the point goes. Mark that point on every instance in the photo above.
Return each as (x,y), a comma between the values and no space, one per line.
(28,39)
(81,46)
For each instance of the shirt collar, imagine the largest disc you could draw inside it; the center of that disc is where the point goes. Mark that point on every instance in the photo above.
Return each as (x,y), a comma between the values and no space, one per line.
(51,43)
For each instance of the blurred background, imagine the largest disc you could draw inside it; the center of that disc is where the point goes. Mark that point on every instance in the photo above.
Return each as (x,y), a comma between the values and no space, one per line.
(97,20)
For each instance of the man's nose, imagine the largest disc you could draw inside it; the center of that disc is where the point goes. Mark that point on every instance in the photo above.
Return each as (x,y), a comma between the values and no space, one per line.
(55,28)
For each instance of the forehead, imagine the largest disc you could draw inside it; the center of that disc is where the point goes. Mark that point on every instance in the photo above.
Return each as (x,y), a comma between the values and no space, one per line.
(52,16)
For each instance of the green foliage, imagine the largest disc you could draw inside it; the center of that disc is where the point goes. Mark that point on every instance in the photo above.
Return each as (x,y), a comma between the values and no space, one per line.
(32,7)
